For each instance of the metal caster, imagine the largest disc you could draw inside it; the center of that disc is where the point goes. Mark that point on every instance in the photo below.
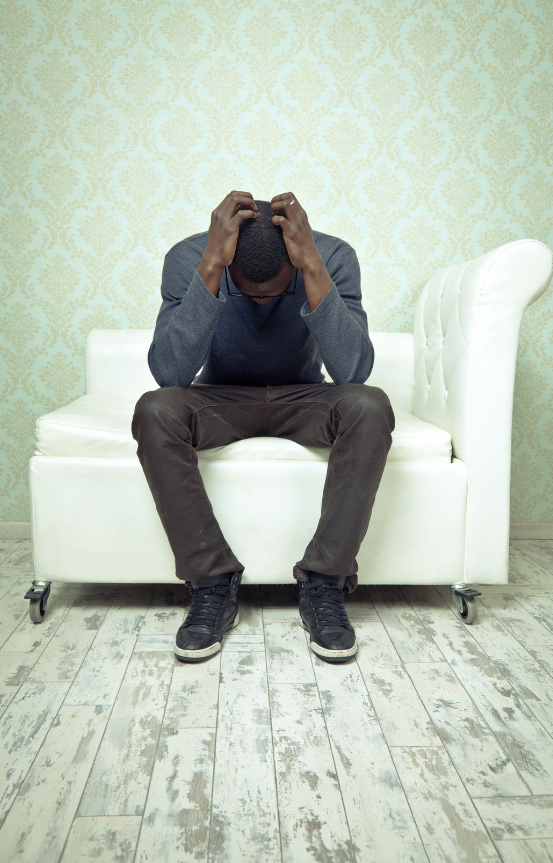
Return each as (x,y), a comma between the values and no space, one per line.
(465,601)
(38,597)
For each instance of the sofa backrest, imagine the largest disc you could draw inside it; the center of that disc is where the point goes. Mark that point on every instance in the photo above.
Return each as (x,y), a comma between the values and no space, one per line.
(117,363)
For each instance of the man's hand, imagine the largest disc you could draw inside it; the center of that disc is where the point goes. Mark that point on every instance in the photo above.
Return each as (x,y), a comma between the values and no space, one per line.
(298,236)
(223,236)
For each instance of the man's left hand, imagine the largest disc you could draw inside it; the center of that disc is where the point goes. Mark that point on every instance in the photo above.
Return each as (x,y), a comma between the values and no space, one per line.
(289,215)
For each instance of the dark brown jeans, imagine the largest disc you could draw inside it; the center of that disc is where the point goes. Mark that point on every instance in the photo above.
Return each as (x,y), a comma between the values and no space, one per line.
(170,424)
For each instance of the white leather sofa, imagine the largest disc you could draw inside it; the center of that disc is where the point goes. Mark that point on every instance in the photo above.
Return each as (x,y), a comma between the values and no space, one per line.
(442,511)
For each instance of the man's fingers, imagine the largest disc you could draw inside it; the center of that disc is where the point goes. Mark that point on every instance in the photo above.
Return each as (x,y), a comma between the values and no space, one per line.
(287,203)
(284,196)
(239,217)
(281,222)
(242,201)
(237,192)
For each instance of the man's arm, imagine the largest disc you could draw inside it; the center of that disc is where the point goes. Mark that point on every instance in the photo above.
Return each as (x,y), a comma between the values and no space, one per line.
(188,317)
(333,312)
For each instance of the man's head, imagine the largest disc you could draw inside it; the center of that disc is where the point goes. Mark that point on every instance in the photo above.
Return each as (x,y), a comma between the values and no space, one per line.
(261,265)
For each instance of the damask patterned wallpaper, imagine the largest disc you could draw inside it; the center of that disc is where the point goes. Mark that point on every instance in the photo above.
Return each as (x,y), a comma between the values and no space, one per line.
(421,132)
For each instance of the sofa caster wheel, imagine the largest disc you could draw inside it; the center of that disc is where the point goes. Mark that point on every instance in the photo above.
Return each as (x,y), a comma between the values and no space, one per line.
(465,601)
(38,597)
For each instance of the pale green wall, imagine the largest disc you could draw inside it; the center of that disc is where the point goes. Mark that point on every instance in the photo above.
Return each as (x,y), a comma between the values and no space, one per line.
(419,131)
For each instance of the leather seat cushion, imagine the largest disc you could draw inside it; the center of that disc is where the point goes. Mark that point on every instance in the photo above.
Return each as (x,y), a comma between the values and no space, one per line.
(99,426)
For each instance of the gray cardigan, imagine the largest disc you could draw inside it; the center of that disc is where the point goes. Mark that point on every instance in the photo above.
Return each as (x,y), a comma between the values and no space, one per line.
(237,341)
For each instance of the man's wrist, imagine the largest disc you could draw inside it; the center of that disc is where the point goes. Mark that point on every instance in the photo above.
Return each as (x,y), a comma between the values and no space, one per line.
(211,271)
(314,266)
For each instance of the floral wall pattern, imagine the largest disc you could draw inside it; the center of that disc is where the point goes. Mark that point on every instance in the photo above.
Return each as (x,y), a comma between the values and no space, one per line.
(421,132)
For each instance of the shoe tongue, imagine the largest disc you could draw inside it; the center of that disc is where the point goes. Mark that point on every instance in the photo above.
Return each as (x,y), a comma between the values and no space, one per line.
(219,580)
(327,580)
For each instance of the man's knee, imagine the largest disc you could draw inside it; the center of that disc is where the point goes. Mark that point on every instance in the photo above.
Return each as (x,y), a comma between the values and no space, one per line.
(368,402)
(155,408)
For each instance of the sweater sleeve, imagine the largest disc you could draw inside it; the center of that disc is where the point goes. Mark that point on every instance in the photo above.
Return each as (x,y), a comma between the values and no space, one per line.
(185,325)
(339,323)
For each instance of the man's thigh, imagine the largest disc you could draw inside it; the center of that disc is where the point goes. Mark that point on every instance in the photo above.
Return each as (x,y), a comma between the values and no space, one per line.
(315,414)
(208,415)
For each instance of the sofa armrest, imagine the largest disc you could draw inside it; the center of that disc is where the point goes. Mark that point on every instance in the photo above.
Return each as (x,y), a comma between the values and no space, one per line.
(465,342)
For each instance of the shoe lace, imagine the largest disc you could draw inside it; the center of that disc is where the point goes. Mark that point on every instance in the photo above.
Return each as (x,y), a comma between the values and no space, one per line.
(207,603)
(328,605)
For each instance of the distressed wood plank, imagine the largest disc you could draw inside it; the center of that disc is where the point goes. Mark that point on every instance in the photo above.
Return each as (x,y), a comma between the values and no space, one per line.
(41,816)
(288,659)
(448,823)
(359,605)
(279,600)
(402,715)
(365,770)
(515,577)
(411,639)
(14,670)
(248,635)
(244,819)
(101,673)
(480,761)
(526,850)
(531,570)
(175,827)
(519,622)
(313,824)
(534,685)
(7,547)
(119,779)
(103,839)
(544,655)
(23,728)
(373,640)
(517,817)
(538,550)
(8,582)
(427,603)
(193,695)
(21,556)
(166,610)
(540,606)
(33,638)
(518,731)
(496,640)
(14,610)
(66,650)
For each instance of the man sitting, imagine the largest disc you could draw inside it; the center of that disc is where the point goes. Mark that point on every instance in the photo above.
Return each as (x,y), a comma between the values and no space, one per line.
(258,303)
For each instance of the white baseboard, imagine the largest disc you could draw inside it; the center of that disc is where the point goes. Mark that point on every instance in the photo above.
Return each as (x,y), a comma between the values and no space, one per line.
(519,530)
(15,529)
(532,530)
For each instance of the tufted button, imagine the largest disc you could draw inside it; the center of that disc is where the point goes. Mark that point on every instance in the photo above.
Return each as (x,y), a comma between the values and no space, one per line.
(446,396)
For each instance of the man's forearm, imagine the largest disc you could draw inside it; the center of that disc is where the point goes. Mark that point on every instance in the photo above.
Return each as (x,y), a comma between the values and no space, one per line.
(211,272)
(317,281)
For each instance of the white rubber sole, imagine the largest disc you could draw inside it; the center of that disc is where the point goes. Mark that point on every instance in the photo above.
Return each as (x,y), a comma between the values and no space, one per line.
(325,653)
(197,655)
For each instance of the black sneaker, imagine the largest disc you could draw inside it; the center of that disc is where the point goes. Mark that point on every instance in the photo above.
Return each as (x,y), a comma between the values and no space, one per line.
(213,612)
(324,615)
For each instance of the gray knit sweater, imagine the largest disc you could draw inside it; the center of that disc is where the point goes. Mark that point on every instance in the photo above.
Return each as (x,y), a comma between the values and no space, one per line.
(233,340)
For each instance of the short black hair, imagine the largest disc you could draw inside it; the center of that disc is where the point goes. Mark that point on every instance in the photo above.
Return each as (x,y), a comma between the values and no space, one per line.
(261,252)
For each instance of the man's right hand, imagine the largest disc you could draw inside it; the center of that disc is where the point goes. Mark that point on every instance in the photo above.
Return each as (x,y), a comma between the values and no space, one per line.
(223,236)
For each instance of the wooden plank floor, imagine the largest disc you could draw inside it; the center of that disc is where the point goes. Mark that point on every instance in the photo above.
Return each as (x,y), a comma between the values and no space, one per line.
(435,744)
